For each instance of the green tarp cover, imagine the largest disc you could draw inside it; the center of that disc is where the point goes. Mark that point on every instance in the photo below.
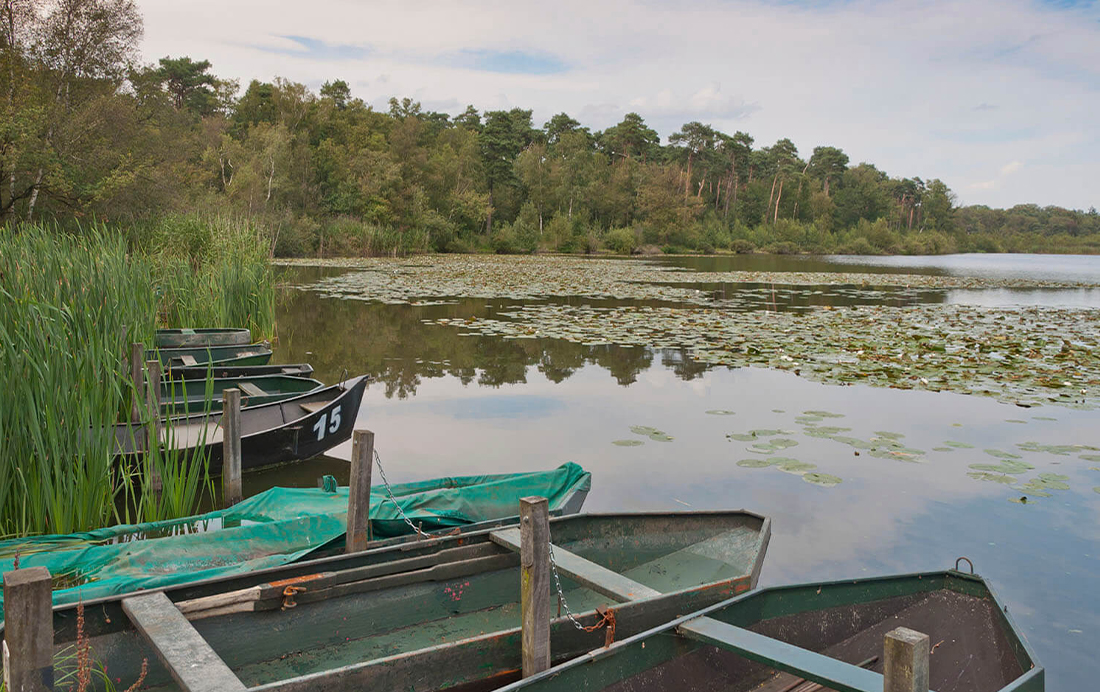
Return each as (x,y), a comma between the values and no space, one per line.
(276,527)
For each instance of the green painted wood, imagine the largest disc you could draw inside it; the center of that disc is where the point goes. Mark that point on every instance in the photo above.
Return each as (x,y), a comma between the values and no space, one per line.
(599,579)
(177,338)
(191,396)
(191,661)
(829,672)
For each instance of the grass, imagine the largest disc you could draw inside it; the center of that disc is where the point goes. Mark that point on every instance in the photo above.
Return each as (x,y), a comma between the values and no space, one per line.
(70,304)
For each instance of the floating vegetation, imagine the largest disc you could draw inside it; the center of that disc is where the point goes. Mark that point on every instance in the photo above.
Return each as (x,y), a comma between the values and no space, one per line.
(942,449)
(658,436)
(719,412)
(1096,489)
(888,435)
(794,466)
(1043,418)
(642,430)
(1022,500)
(853,442)
(628,443)
(823,414)
(808,419)
(1015,420)
(825,480)
(958,445)
(1006,466)
(741,437)
(1089,457)
(754,463)
(992,477)
(1002,455)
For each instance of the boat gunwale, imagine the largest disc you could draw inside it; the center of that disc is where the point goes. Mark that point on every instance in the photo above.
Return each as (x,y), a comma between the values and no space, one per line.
(1026,678)
(404,544)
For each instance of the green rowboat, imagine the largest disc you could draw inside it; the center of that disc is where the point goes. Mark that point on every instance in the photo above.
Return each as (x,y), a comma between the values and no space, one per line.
(250,354)
(818,636)
(202,372)
(426,615)
(183,338)
(196,396)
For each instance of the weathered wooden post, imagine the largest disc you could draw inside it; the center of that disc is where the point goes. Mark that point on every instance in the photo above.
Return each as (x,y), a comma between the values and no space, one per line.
(137,377)
(28,630)
(231,447)
(534,535)
(152,433)
(362,459)
(905,661)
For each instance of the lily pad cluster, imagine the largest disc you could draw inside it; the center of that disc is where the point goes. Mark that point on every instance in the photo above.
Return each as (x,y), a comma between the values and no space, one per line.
(1026,356)
(643,431)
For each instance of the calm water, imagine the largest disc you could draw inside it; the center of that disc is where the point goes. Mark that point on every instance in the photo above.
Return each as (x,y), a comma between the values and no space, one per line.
(442,404)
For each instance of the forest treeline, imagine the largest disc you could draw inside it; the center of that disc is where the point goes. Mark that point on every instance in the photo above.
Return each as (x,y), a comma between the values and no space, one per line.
(88,133)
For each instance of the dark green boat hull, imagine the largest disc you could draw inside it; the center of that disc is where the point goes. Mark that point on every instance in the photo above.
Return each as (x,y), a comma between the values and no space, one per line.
(250,354)
(190,338)
(190,396)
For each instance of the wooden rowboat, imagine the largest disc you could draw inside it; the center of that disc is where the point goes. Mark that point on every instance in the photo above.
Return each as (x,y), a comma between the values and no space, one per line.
(271,434)
(421,615)
(823,636)
(249,354)
(177,338)
(202,372)
(196,396)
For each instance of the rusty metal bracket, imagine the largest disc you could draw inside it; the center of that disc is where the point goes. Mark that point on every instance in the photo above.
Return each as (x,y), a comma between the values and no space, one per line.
(968,561)
(288,596)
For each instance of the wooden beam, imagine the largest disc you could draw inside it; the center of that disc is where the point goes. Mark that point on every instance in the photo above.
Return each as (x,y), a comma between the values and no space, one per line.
(905,661)
(362,459)
(28,630)
(231,447)
(587,573)
(152,432)
(534,580)
(137,378)
(186,655)
(829,672)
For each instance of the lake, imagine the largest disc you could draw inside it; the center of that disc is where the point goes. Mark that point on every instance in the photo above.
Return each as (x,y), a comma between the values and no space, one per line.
(976,435)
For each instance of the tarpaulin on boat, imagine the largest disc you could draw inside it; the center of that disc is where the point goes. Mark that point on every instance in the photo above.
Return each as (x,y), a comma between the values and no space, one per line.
(276,527)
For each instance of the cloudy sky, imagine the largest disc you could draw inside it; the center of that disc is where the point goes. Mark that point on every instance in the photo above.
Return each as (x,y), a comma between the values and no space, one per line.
(999,98)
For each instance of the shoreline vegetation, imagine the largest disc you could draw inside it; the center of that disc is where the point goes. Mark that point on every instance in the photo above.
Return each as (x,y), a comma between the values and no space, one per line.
(70,304)
(91,133)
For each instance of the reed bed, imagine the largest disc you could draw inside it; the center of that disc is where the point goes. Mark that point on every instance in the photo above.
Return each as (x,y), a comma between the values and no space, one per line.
(70,304)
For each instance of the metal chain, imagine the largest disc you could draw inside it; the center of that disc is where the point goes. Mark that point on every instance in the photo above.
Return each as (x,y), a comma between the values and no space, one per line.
(561,594)
(389,491)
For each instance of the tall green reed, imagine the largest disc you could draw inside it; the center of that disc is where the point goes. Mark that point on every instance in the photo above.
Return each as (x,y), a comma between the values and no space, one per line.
(69,306)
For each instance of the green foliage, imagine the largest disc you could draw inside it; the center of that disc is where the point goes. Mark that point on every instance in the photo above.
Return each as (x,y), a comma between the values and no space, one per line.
(70,304)
(324,173)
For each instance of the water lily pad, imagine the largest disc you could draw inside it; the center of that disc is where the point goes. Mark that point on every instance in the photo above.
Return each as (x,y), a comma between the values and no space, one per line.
(831,429)
(823,414)
(889,435)
(778,410)
(796,467)
(1053,477)
(958,445)
(1002,455)
(766,432)
(1043,418)
(628,443)
(776,461)
(942,449)
(643,430)
(742,437)
(1096,489)
(826,480)
(1089,457)
(783,443)
(853,442)
(719,412)
(992,477)
(1022,500)
(660,437)
(754,463)
(805,420)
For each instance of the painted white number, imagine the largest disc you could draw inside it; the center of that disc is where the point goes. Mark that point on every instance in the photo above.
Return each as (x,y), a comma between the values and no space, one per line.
(332,425)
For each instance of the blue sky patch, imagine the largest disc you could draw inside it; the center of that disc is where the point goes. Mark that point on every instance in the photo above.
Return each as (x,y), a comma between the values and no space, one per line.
(316,49)
(509,62)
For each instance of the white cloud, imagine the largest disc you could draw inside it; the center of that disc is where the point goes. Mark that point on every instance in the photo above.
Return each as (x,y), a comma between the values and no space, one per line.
(926,88)
(1011,167)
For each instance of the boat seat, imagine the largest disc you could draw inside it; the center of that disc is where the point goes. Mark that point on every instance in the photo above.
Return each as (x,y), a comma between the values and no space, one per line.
(188,360)
(187,331)
(313,406)
(192,435)
(251,389)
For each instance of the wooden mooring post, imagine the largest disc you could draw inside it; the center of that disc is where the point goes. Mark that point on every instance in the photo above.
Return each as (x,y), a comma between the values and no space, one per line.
(28,630)
(905,661)
(152,432)
(231,447)
(362,459)
(534,531)
(137,377)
